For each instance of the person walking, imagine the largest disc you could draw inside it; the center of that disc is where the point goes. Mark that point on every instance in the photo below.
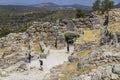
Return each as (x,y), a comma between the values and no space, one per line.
(29,57)
(68,47)
(41,64)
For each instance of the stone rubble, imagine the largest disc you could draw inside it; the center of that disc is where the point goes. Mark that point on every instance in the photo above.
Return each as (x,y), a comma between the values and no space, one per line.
(42,35)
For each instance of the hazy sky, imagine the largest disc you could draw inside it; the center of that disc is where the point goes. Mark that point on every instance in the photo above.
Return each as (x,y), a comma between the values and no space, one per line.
(61,2)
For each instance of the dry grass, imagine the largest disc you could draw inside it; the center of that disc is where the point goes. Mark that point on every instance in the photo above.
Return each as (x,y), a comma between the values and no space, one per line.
(86,70)
(37,48)
(114,27)
(26,45)
(2,50)
(107,48)
(83,54)
(90,36)
(69,70)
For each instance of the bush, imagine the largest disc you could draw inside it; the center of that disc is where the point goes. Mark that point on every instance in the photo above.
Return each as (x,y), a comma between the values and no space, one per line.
(22,29)
(96,5)
(4,31)
(80,13)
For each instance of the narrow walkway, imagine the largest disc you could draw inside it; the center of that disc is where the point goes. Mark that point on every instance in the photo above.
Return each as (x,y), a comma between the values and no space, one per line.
(56,57)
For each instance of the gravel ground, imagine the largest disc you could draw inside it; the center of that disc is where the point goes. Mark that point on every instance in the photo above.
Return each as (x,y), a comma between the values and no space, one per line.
(56,57)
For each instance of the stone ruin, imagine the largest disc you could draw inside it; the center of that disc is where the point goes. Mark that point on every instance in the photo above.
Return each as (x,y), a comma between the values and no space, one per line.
(50,34)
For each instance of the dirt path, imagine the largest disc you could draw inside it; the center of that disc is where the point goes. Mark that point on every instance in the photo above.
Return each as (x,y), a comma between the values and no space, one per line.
(56,57)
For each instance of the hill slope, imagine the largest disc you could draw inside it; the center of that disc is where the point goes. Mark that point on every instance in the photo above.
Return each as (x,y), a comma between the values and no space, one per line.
(53,6)
(17,8)
(42,6)
(117,6)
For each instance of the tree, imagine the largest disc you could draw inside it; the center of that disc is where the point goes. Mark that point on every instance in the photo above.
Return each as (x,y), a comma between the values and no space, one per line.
(103,6)
(107,5)
(96,5)
(79,13)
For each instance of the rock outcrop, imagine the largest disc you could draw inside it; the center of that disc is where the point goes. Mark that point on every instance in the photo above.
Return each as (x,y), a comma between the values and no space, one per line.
(96,53)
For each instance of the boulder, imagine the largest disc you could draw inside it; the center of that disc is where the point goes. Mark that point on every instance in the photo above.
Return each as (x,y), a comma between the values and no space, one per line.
(84,77)
(96,76)
(3,73)
(116,69)
(22,68)
(1,55)
(72,58)
(43,56)
(114,76)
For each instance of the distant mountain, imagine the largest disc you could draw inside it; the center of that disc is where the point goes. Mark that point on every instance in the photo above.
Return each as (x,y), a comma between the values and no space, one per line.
(47,6)
(117,6)
(42,6)
(83,7)
(53,6)
(17,8)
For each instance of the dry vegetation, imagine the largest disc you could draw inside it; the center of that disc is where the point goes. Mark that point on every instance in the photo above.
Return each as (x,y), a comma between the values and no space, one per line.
(69,70)
(37,48)
(83,54)
(114,27)
(90,36)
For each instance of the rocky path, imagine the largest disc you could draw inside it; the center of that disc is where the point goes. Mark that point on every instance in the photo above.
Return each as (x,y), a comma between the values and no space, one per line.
(56,57)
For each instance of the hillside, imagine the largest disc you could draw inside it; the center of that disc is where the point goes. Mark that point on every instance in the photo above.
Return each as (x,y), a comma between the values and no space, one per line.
(17,8)
(41,7)
(19,22)
(93,54)
(53,6)
(17,18)
(15,22)
(117,6)
(45,6)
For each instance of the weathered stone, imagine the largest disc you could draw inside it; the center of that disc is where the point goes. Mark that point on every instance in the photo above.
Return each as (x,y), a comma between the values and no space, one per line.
(72,58)
(96,77)
(22,68)
(1,55)
(43,56)
(84,77)
(116,68)
(3,73)
(114,76)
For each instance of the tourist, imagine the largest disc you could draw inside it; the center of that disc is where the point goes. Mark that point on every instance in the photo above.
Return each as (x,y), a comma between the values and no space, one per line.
(26,58)
(41,64)
(29,58)
(68,47)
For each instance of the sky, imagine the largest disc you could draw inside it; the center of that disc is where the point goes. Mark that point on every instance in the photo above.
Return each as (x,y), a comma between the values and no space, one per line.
(60,2)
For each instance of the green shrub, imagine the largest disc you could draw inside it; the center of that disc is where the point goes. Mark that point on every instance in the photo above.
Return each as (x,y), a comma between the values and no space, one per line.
(22,29)
(80,13)
(4,31)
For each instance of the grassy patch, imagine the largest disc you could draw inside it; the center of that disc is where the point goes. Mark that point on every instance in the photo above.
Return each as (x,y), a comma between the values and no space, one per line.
(2,50)
(90,36)
(69,70)
(114,27)
(83,54)
(86,70)
(37,48)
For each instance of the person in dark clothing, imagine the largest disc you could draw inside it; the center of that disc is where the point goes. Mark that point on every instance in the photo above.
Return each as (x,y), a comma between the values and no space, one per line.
(67,47)
(41,64)
(29,58)
(106,21)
